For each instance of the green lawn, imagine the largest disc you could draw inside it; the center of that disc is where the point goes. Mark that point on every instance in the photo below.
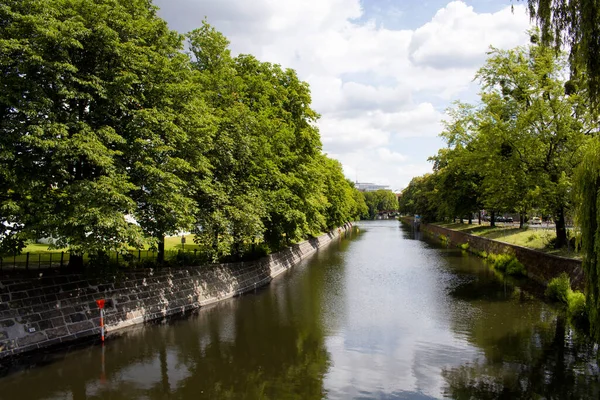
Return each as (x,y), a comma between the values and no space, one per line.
(533,238)
(171,243)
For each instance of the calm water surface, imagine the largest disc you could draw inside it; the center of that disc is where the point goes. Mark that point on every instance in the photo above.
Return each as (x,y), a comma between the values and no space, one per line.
(380,315)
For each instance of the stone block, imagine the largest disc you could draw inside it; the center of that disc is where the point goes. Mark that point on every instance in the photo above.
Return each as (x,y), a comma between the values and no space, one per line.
(18,296)
(51,290)
(57,332)
(35,293)
(6,323)
(30,318)
(78,317)
(51,314)
(57,322)
(31,338)
(80,326)
(45,324)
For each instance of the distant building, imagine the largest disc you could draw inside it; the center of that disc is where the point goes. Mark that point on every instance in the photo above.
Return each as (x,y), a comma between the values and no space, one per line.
(370,187)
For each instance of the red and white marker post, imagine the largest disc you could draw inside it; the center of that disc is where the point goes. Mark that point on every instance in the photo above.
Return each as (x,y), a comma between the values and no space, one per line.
(101,307)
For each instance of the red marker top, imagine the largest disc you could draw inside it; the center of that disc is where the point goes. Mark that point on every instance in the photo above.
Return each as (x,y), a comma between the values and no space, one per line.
(100,303)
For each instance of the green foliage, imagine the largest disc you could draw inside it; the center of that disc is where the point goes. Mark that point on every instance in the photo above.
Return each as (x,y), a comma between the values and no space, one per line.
(516,268)
(507,263)
(464,246)
(558,288)
(577,308)
(104,117)
(514,151)
(588,218)
(573,24)
(379,200)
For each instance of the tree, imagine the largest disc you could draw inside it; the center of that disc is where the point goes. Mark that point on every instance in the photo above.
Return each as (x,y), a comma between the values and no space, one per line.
(531,126)
(420,197)
(380,200)
(573,23)
(101,117)
(587,195)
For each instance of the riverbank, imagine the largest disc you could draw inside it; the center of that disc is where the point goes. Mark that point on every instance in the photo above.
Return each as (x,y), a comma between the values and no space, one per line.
(54,310)
(541,266)
(535,237)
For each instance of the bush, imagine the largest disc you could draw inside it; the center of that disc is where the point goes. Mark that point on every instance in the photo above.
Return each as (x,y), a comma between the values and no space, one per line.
(500,261)
(532,237)
(576,306)
(515,268)
(507,263)
(464,246)
(559,288)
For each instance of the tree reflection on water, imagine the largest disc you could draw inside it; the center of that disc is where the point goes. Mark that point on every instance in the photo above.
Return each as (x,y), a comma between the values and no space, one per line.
(527,355)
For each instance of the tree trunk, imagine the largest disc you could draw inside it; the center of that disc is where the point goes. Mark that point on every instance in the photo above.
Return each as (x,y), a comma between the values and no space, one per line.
(493,218)
(470,219)
(160,257)
(76,261)
(521,220)
(561,231)
(479,217)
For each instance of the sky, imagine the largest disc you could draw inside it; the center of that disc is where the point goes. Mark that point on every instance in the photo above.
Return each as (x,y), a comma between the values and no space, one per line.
(382,72)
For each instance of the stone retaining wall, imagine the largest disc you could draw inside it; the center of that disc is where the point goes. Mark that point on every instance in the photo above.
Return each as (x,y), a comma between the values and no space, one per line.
(541,267)
(50,310)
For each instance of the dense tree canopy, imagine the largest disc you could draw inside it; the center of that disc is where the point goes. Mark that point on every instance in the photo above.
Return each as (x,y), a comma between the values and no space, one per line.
(516,150)
(380,200)
(104,119)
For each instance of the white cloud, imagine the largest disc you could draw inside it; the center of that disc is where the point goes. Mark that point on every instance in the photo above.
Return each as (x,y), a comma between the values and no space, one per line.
(371,84)
(386,155)
(457,37)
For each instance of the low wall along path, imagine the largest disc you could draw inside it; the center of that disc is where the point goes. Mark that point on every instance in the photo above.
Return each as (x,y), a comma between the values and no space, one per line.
(541,267)
(48,311)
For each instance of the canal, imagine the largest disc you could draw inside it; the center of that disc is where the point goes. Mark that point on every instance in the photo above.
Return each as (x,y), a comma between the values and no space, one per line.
(382,314)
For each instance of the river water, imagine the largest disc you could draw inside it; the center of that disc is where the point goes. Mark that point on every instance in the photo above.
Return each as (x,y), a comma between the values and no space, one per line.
(381,314)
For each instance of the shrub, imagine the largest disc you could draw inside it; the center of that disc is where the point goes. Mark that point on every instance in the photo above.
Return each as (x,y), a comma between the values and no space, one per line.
(576,306)
(501,261)
(464,246)
(559,288)
(507,263)
(515,268)
(532,237)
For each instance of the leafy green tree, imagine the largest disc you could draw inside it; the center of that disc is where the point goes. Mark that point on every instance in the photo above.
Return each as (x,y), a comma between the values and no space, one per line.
(420,197)
(587,195)
(573,24)
(531,125)
(99,119)
(380,200)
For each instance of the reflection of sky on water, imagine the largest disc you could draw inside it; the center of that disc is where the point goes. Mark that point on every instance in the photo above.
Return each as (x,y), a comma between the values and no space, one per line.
(398,335)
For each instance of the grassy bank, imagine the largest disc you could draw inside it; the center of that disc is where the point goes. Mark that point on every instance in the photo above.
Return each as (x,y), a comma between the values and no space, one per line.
(534,238)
